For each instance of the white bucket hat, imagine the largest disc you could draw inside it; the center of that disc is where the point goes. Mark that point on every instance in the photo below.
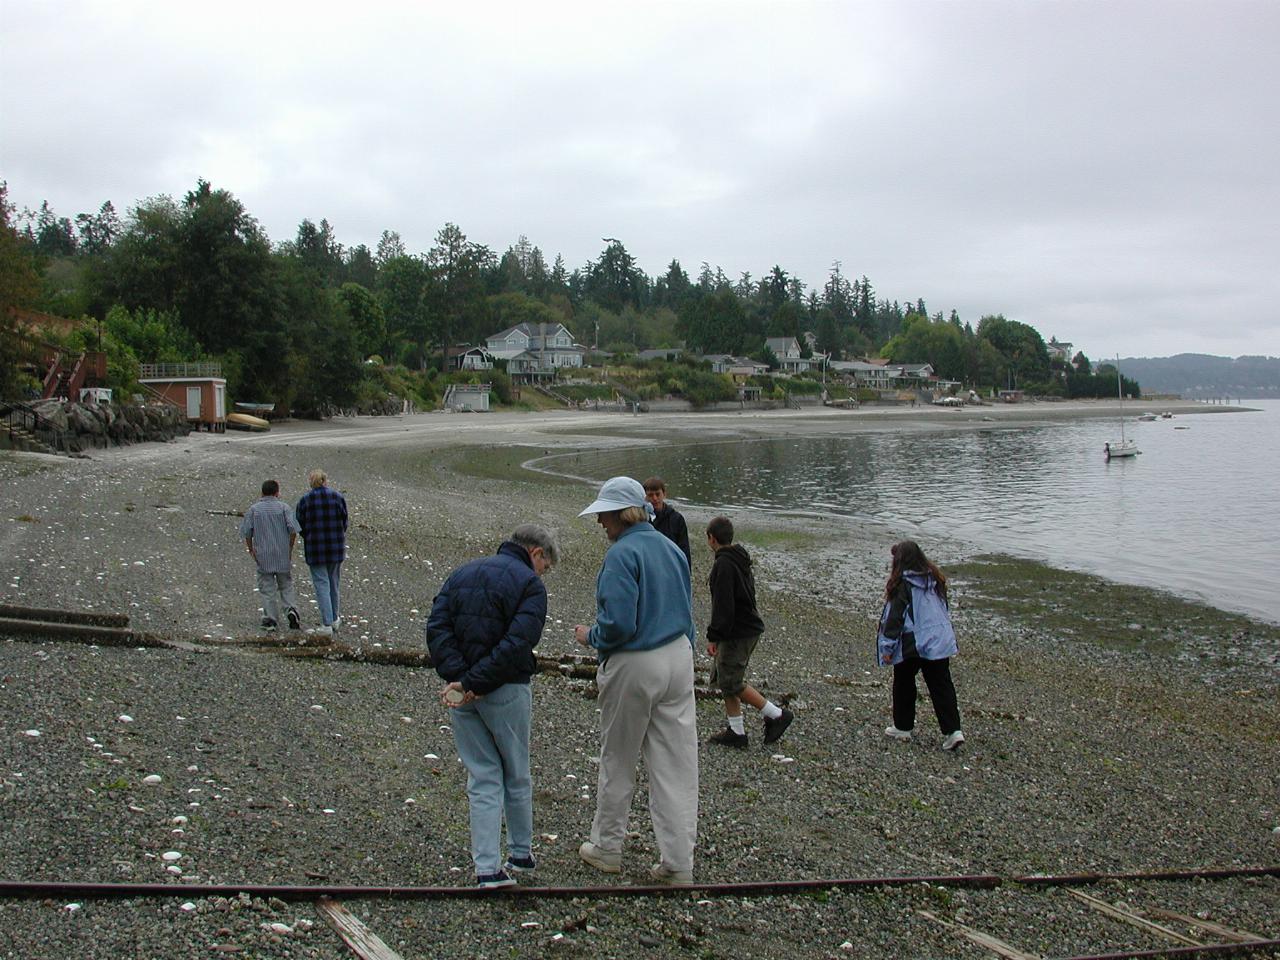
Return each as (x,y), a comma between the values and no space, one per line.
(618,493)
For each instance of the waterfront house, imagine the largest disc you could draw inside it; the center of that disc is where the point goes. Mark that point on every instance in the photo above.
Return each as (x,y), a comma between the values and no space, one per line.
(736,366)
(541,348)
(473,358)
(787,350)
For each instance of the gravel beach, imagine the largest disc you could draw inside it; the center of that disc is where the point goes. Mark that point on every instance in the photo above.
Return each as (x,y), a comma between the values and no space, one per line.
(1084,753)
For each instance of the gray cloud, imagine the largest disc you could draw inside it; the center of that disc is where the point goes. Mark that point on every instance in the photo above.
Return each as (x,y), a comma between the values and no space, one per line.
(1106,172)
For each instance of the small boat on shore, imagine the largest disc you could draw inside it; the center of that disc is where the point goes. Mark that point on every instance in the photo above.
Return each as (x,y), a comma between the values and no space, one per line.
(1148,417)
(246,421)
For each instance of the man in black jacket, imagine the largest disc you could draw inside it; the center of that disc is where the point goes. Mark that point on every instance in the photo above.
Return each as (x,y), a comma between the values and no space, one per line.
(667,520)
(484,624)
(732,635)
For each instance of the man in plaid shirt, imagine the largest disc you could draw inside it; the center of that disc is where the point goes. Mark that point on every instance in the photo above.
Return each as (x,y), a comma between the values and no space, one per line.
(322,515)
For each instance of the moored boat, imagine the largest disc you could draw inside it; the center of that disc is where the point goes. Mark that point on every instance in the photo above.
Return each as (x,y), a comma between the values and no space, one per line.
(1125,448)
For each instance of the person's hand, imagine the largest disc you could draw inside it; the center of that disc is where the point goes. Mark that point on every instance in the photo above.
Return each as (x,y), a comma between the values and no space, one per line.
(886,658)
(452,695)
(711,649)
(581,634)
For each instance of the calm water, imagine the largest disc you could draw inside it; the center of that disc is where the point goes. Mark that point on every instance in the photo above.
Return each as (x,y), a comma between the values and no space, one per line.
(1195,513)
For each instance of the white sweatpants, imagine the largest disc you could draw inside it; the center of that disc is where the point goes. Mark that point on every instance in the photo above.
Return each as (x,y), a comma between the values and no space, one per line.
(647,707)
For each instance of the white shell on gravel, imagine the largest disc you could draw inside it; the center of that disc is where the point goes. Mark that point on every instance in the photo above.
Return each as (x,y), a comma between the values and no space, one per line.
(316,706)
(280,928)
(328,811)
(170,856)
(71,907)
(176,871)
(551,837)
(530,925)
(847,945)
(31,733)
(179,819)
(430,756)
(152,779)
(783,758)
(124,718)
(409,801)
(188,906)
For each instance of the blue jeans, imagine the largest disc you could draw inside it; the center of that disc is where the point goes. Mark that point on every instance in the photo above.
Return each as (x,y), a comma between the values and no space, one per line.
(325,577)
(492,734)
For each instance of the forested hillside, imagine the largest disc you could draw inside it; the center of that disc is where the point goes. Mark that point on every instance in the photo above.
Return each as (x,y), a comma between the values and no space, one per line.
(308,322)
(1202,375)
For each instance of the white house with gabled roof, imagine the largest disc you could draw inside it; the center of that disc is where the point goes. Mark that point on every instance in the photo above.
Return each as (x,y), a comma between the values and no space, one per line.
(787,350)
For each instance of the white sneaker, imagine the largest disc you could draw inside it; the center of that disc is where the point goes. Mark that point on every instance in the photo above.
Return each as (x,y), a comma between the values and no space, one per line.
(897,734)
(608,861)
(664,874)
(321,632)
(337,622)
(952,741)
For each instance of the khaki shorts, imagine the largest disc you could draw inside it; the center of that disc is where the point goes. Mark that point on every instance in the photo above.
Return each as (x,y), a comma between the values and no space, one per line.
(729,672)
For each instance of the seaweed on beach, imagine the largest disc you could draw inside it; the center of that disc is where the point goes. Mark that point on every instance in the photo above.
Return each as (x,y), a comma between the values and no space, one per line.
(1081,606)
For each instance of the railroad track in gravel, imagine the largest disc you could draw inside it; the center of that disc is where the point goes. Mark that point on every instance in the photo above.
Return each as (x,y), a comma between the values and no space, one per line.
(1184,934)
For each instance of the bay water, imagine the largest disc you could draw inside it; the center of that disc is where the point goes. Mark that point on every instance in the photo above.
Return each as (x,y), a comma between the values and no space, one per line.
(1195,514)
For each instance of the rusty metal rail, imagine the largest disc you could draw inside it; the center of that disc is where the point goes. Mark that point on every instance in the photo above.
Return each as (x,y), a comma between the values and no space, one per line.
(19,889)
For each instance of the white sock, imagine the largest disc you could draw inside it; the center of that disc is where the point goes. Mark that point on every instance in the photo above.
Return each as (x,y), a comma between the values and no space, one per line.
(737,725)
(771,710)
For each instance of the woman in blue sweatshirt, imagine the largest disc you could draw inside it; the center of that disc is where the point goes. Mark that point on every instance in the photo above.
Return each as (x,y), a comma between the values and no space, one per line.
(643,636)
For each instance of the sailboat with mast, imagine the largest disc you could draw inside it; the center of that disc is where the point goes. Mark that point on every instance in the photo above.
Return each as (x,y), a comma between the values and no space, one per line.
(1125,448)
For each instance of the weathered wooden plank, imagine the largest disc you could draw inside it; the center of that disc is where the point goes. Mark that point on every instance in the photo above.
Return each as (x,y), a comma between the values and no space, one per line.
(77,633)
(994,944)
(1142,923)
(48,615)
(362,941)
(1208,926)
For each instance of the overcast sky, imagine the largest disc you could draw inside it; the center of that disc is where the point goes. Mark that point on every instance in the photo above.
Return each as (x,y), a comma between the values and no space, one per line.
(1108,172)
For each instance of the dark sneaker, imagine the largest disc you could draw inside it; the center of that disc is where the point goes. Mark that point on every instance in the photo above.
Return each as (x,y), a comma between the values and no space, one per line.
(268,623)
(775,728)
(519,865)
(490,880)
(727,738)
(294,622)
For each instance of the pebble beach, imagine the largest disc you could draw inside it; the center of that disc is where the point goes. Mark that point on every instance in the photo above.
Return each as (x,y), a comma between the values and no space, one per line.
(228,757)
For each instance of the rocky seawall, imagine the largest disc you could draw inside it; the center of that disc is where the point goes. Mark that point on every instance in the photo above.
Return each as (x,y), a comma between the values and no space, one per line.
(70,427)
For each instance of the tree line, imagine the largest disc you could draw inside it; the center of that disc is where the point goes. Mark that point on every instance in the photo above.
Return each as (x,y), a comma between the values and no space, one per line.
(309,322)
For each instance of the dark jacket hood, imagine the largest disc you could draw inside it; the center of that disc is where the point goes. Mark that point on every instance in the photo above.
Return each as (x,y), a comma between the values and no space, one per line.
(737,556)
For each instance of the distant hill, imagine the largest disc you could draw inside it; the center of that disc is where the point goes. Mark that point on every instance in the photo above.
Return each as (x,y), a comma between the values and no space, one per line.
(1200,375)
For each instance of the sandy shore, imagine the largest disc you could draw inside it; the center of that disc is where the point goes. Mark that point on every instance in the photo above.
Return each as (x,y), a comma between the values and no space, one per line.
(1087,750)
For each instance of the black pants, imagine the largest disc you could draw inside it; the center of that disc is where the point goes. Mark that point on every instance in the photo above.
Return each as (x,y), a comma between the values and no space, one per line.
(937,677)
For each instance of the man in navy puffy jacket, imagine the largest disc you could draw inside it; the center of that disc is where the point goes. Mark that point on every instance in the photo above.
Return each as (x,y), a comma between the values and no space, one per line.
(484,624)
